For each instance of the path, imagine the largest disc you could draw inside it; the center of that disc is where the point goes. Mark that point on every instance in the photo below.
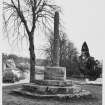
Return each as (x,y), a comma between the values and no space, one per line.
(19,82)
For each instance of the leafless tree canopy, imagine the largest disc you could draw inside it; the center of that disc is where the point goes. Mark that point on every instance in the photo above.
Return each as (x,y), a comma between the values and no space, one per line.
(24,16)
(67,49)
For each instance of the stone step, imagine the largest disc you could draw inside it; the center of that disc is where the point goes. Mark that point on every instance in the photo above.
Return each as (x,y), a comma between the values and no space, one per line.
(54,82)
(83,93)
(43,89)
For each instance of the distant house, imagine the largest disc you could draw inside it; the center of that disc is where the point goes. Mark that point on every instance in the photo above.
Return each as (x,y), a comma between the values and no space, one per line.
(8,64)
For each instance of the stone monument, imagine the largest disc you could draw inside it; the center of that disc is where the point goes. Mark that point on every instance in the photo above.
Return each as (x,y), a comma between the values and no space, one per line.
(54,84)
(55,72)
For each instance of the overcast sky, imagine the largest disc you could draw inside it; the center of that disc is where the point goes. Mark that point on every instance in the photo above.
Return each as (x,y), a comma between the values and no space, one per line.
(84,20)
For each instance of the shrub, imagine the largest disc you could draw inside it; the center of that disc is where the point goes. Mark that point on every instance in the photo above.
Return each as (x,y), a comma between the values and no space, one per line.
(9,77)
(22,77)
(94,74)
(91,69)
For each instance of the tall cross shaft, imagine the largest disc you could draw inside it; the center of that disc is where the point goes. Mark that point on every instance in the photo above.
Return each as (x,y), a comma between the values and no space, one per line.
(56,46)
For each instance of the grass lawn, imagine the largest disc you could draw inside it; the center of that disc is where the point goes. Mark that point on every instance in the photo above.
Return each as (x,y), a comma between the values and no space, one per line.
(14,99)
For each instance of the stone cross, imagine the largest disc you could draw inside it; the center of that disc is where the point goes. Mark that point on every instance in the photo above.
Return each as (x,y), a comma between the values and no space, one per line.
(56,46)
(55,72)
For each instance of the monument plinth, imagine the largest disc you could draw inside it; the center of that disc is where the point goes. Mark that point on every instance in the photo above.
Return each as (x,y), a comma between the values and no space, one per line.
(55,73)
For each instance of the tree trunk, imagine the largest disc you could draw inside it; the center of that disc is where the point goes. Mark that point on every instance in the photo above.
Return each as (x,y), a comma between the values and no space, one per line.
(32,58)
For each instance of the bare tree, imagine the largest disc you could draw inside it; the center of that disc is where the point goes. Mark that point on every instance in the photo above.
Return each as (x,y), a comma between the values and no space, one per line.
(21,18)
(67,49)
(68,53)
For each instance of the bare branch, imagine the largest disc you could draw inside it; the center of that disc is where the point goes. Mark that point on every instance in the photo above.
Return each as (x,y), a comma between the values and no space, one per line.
(38,3)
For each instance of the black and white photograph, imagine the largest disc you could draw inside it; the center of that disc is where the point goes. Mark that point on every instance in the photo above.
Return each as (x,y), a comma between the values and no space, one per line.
(52,52)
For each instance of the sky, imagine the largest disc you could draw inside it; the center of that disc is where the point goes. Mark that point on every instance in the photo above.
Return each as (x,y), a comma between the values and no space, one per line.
(84,20)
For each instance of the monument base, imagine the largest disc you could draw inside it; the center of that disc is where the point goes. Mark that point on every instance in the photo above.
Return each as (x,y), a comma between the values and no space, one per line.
(44,89)
(54,85)
(50,73)
(55,73)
